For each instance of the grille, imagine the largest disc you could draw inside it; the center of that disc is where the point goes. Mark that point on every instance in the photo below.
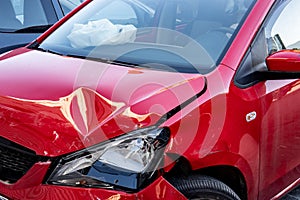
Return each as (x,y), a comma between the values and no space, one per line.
(15,160)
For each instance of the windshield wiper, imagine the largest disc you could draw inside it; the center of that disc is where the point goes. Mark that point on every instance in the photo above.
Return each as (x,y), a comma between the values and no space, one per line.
(7,30)
(34,29)
(108,61)
(47,51)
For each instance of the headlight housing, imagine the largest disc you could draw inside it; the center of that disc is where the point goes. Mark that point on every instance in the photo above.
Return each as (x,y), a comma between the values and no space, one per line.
(128,161)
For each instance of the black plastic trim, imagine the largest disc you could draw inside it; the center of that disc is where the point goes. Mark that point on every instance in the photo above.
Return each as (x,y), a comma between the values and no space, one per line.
(16,160)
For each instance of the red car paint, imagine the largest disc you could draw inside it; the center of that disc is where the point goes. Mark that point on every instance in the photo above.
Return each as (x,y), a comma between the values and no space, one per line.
(55,113)
(61,96)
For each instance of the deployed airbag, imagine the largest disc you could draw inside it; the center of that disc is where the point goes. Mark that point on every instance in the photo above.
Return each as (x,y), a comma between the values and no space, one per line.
(101,32)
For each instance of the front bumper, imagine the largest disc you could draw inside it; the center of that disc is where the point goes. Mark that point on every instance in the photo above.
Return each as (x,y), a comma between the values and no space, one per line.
(30,187)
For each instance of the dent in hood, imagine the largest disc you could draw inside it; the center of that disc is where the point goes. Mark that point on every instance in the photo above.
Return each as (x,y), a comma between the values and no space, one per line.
(74,113)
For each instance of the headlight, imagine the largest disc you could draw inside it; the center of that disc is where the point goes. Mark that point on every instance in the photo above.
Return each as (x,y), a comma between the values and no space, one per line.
(127,161)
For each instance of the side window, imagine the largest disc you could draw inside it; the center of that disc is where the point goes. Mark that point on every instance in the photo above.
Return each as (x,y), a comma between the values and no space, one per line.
(283,30)
(30,13)
(34,13)
(18,8)
(25,13)
(11,16)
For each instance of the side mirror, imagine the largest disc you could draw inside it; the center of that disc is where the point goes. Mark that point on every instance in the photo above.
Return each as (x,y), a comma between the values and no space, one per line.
(284,61)
(283,64)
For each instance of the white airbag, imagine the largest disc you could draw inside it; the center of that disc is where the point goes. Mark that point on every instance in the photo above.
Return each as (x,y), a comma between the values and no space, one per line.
(101,32)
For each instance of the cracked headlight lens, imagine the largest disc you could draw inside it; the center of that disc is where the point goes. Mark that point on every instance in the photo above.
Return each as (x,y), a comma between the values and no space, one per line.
(128,161)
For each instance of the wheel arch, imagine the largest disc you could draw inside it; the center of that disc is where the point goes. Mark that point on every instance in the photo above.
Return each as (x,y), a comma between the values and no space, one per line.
(228,174)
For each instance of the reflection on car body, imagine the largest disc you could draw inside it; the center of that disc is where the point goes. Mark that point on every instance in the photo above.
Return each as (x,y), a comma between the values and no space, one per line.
(167,99)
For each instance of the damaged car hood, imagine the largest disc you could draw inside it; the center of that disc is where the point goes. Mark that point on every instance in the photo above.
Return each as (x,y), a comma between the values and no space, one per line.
(57,104)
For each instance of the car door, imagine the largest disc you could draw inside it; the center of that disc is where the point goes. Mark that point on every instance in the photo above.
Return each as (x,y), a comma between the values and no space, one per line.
(280,128)
(278,98)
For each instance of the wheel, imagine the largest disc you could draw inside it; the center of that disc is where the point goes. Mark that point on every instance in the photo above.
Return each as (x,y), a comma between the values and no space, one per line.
(203,188)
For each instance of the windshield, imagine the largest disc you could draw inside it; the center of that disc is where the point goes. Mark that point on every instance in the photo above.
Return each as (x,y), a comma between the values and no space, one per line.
(68,5)
(175,35)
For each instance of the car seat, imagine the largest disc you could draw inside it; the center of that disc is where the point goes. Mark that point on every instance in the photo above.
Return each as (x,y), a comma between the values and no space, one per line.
(212,26)
(213,14)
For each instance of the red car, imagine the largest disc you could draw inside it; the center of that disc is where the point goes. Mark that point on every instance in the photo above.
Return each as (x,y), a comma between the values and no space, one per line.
(156,99)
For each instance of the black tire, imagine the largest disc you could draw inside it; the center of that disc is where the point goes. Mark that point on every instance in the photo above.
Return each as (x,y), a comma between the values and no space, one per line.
(203,188)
